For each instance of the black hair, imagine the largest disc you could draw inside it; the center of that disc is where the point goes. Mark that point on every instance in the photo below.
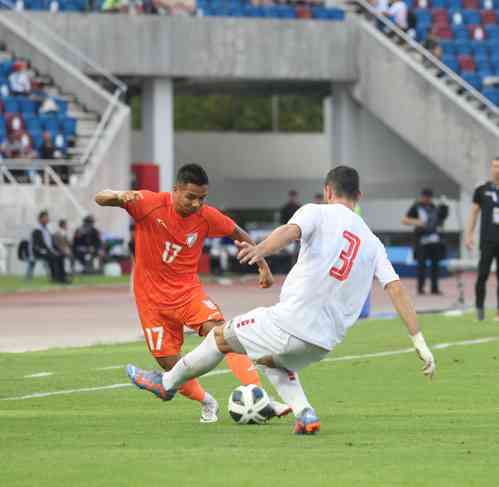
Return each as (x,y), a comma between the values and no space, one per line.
(428,192)
(42,214)
(62,222)
(193,174)
(345,182)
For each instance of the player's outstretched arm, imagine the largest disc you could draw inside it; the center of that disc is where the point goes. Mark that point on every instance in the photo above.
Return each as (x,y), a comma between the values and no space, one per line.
(281,237)
(266,279)
(403,304)
(109,197)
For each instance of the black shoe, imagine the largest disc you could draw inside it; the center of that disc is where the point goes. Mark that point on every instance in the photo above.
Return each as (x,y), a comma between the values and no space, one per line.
(437,292)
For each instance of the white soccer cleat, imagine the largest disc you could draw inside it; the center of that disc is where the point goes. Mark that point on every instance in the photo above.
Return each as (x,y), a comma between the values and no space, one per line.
(209,410)
(280,409)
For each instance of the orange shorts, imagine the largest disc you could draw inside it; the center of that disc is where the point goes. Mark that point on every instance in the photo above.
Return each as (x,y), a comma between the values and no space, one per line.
(164,328)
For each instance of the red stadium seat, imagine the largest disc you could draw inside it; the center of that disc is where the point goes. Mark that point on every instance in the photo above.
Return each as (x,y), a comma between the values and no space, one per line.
(444,32)
(488,17)
(466,63)
(471,4)
(303,12)
(440,16)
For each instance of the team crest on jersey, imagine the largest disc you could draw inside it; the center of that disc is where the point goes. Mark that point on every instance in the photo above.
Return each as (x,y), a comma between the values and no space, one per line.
(191,239)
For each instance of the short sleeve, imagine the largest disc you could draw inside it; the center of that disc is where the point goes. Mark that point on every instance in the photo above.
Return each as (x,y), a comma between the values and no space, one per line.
(306,218)
(219,225)
(139,209)
(412,212)
(384,271)
(477,196)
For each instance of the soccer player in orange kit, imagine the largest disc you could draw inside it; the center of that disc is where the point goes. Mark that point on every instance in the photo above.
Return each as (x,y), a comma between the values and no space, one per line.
(170,232)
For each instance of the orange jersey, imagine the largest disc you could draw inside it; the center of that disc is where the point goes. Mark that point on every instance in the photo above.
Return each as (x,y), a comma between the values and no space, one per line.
(168,248)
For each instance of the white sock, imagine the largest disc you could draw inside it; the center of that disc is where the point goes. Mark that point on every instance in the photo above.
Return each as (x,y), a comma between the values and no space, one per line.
(287,384)
(208,398)
(202,359)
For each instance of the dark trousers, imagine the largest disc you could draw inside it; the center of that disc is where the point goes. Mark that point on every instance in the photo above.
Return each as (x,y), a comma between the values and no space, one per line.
(488,252)
(431,252)
(56,266)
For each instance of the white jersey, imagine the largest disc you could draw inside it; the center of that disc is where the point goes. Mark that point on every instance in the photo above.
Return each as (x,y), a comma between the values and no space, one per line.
(325,291)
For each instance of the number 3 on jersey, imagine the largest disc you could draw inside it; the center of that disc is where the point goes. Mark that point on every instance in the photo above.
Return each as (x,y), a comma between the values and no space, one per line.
(170,253)
(347,257)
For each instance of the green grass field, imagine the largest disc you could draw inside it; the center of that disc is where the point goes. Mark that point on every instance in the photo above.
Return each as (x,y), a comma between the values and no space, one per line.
(383,423)
(10,284)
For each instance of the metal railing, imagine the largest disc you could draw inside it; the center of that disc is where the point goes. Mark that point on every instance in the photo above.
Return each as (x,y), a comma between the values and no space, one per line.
(430,58)
(119,88)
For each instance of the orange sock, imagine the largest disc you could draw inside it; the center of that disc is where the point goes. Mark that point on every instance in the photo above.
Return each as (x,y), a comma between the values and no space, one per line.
(193,390)
(242,367)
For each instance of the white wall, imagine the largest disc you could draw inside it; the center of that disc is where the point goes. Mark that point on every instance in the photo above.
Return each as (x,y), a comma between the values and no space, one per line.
(257,170)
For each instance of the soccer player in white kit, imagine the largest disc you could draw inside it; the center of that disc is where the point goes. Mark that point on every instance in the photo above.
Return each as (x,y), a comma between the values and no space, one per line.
(321,298)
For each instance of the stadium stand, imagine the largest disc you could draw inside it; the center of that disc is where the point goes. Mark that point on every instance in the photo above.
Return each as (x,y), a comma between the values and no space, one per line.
(468,33)
(208,8)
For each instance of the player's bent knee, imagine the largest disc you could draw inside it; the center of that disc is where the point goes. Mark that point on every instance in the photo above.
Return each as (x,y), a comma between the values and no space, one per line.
(222,345)
(267,362)
(208,326)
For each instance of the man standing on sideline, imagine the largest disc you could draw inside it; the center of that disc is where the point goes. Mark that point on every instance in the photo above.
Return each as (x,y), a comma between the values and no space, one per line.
(290,208)
(425,217)
(486,201)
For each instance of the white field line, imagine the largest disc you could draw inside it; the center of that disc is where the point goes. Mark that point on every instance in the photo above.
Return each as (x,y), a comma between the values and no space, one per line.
(440,346)
(38,374)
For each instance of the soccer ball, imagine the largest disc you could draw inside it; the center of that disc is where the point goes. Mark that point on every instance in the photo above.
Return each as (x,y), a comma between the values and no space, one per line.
(250,405)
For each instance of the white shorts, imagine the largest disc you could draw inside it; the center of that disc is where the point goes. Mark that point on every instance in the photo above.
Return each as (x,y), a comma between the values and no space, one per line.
(256,335)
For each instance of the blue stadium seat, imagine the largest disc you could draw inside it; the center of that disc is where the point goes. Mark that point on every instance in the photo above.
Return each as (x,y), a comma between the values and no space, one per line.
(480,49)
(27,105)
(10,105)
(68,126)
(492,94)
(37,138)
(335,13)
(62,105)
(455,4)
(463,47)
(460,33)
(49,123)
(473,80)
(471,17)
(439,3)
(410,4)
(319,13)
(423,17)
(32,122)
(3,127)
(451,62)
(6,68)
(484,73)
(482,65)
(422,33)
(492,46)
(492,31)
(448,48)
(236,11)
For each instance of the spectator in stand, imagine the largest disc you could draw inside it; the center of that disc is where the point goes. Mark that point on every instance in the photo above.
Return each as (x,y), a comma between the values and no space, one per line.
(432,43)
(62,243)
(115,6)
(290,208)
(399,13)
(380,6)
(12,147)
(44,249)
(47,149)
(20,81)
(87,246)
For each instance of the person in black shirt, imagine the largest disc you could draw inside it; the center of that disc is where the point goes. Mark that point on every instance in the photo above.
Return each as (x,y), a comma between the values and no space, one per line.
(290,208)
(486,202)
(87,245)
(426,218)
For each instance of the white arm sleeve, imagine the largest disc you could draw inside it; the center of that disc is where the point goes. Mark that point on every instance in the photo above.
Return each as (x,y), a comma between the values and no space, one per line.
(306,218)
(384,272)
